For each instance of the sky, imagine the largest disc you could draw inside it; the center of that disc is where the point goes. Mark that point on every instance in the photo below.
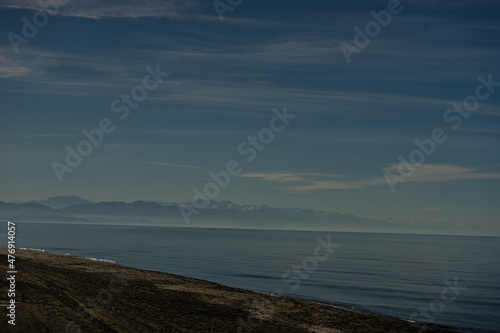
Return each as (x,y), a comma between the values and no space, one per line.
(356,103)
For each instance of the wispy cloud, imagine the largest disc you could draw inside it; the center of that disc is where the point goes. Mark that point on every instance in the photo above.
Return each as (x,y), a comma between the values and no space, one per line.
(13,67)
(425,173)
(10,69)
(177,165)
(276,177)
(63,76)
(96,9)
(285,177)
(444,172)
(336,185)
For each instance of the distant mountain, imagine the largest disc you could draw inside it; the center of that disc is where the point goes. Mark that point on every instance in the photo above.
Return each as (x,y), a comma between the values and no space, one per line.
(62,201)
(147,212)
(225,214)
(33,212)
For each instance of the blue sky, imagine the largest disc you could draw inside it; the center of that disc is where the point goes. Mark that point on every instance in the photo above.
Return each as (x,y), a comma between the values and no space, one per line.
(353,120)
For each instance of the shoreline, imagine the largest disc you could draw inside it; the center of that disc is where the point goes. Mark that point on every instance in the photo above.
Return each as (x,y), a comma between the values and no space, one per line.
(66,293)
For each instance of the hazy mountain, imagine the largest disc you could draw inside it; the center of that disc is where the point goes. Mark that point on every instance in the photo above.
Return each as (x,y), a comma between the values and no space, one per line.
(146,212)
(217,214)
(62,201)
(33,212)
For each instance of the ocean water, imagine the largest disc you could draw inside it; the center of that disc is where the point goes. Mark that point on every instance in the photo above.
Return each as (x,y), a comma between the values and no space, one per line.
(448,280)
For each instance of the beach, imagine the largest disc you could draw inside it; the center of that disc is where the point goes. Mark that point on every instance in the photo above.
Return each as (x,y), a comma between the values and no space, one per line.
(64,293)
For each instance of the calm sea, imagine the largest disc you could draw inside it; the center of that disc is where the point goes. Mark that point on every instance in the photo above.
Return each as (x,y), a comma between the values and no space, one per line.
(449,280)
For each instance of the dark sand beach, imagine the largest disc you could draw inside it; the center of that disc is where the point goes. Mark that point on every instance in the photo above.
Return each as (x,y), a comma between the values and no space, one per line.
(63,293)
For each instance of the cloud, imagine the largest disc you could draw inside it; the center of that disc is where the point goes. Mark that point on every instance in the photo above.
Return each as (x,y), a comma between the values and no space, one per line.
(281,177)
(426,173)
(96,9)
(285,177)
(443,172)
(187,10)
(178,165)
(11,70)
(68,73)
(12,67)
(336,185)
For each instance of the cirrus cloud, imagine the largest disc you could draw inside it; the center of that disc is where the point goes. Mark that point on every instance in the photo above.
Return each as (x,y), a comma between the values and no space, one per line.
(426,173)
(97,9)
(285,177)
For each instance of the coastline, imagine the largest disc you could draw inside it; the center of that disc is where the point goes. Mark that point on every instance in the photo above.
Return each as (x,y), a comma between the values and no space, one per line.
(65,293)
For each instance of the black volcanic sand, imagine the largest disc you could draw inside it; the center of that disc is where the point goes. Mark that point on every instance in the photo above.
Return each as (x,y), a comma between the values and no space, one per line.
(63,293)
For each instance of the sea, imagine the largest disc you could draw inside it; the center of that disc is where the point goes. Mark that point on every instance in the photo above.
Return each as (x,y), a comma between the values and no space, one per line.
(448,280)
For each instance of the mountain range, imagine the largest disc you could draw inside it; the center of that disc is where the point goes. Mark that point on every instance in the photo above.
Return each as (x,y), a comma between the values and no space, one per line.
(224,214)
